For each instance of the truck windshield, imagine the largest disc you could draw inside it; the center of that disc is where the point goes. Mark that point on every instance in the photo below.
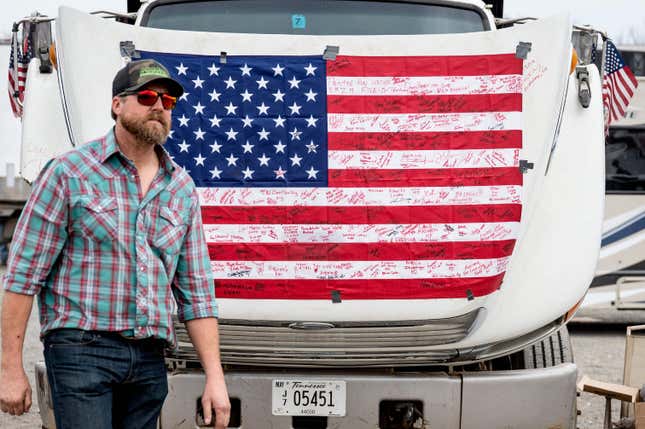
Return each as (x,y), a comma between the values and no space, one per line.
(636,61)
(319,17)
(625,160)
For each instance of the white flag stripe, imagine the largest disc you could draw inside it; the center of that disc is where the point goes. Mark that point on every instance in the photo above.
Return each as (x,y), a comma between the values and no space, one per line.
(334,197)
(608,97)
(628,82)
(358,270)
(425,85)
(618,95)
(360,233)
(416,159)
(625,87)
(624,84)
(619,91)
(418,122)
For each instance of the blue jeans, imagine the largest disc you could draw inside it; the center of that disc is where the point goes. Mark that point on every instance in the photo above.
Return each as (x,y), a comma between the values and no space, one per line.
(101,380)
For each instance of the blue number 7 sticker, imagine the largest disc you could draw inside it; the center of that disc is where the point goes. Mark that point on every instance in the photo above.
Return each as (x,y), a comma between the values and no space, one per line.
(298,21)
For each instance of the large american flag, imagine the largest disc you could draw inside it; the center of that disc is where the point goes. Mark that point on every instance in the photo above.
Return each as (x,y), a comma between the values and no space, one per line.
(618,84)
(353,178)
(18,70)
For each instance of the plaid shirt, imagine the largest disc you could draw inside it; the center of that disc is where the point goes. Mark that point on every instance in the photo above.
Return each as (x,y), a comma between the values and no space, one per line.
(102,258)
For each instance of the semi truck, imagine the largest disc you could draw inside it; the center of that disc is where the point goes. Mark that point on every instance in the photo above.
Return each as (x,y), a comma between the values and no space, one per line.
(403,201)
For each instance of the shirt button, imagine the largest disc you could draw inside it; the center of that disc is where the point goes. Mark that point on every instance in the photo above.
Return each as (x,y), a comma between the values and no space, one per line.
(142,268)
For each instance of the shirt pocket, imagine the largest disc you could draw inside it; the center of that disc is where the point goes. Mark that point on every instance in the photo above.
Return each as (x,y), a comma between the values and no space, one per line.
(95,217)
(171,230)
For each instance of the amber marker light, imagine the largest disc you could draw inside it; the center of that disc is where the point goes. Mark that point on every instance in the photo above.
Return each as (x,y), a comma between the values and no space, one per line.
(574,60)
(52,55)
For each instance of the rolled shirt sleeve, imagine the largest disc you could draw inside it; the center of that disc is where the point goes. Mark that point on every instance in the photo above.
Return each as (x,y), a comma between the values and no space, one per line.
(40,234)
(193,285)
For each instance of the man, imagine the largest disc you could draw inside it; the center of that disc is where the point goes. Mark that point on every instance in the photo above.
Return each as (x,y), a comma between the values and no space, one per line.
(110,239)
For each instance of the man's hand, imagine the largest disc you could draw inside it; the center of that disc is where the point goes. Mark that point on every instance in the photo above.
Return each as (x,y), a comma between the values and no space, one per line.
(15,395)
(204,333)
(215,398)
(15,392)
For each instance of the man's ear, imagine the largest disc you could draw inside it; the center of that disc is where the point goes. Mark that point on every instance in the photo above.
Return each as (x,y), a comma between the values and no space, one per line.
(117,102)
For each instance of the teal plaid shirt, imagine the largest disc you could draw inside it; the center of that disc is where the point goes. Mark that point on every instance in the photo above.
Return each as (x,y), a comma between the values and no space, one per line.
(102,258)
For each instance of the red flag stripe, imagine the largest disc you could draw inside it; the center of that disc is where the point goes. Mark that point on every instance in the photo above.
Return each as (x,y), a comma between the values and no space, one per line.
(425,177)
(627,84)
(610,96)
(632,76)
(609,100)
(621,89)
(357,289)
(466,65)
(425,104)
(620,93)
(511,139)
(359,251)
(320,215)
(11,89)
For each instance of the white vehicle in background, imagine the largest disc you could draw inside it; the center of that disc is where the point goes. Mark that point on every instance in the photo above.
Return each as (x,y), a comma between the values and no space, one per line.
(617,293)
(425,351)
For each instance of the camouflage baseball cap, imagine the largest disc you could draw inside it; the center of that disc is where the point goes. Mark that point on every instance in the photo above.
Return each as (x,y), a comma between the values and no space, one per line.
(137,74)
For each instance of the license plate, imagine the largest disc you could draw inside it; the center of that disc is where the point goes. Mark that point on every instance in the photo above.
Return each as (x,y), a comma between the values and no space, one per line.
(308,398)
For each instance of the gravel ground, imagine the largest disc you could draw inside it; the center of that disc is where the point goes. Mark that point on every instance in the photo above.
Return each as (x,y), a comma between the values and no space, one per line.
(598,350)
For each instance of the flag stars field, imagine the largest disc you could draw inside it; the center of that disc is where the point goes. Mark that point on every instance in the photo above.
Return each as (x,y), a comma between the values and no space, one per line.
(198,82)
(183,146)
(215,147)
(181,69)
(248,107)
(199,160)
(215,121)
(213,70)
(183,121)
(199,109)
(214,95)
(277,70)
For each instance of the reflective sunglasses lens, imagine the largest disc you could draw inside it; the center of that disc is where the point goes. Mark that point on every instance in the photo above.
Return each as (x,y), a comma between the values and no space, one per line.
(168,101)
(147,98)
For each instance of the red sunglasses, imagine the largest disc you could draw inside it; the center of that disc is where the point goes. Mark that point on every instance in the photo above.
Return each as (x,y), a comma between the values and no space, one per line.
(148,97)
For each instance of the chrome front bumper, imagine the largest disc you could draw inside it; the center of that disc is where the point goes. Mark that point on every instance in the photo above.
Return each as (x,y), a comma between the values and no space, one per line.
(470,400)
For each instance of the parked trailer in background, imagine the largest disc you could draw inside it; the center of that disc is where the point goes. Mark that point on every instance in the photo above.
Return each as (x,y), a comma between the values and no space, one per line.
(617,293)
(403,203)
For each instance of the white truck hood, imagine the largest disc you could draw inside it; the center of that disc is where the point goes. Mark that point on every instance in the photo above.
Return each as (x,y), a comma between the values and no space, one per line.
(558,211)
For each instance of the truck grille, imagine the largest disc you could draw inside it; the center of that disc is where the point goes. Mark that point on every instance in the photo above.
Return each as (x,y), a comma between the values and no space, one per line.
(346,344)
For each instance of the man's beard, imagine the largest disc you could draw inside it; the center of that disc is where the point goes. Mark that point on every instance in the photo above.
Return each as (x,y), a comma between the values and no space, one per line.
(145,132)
